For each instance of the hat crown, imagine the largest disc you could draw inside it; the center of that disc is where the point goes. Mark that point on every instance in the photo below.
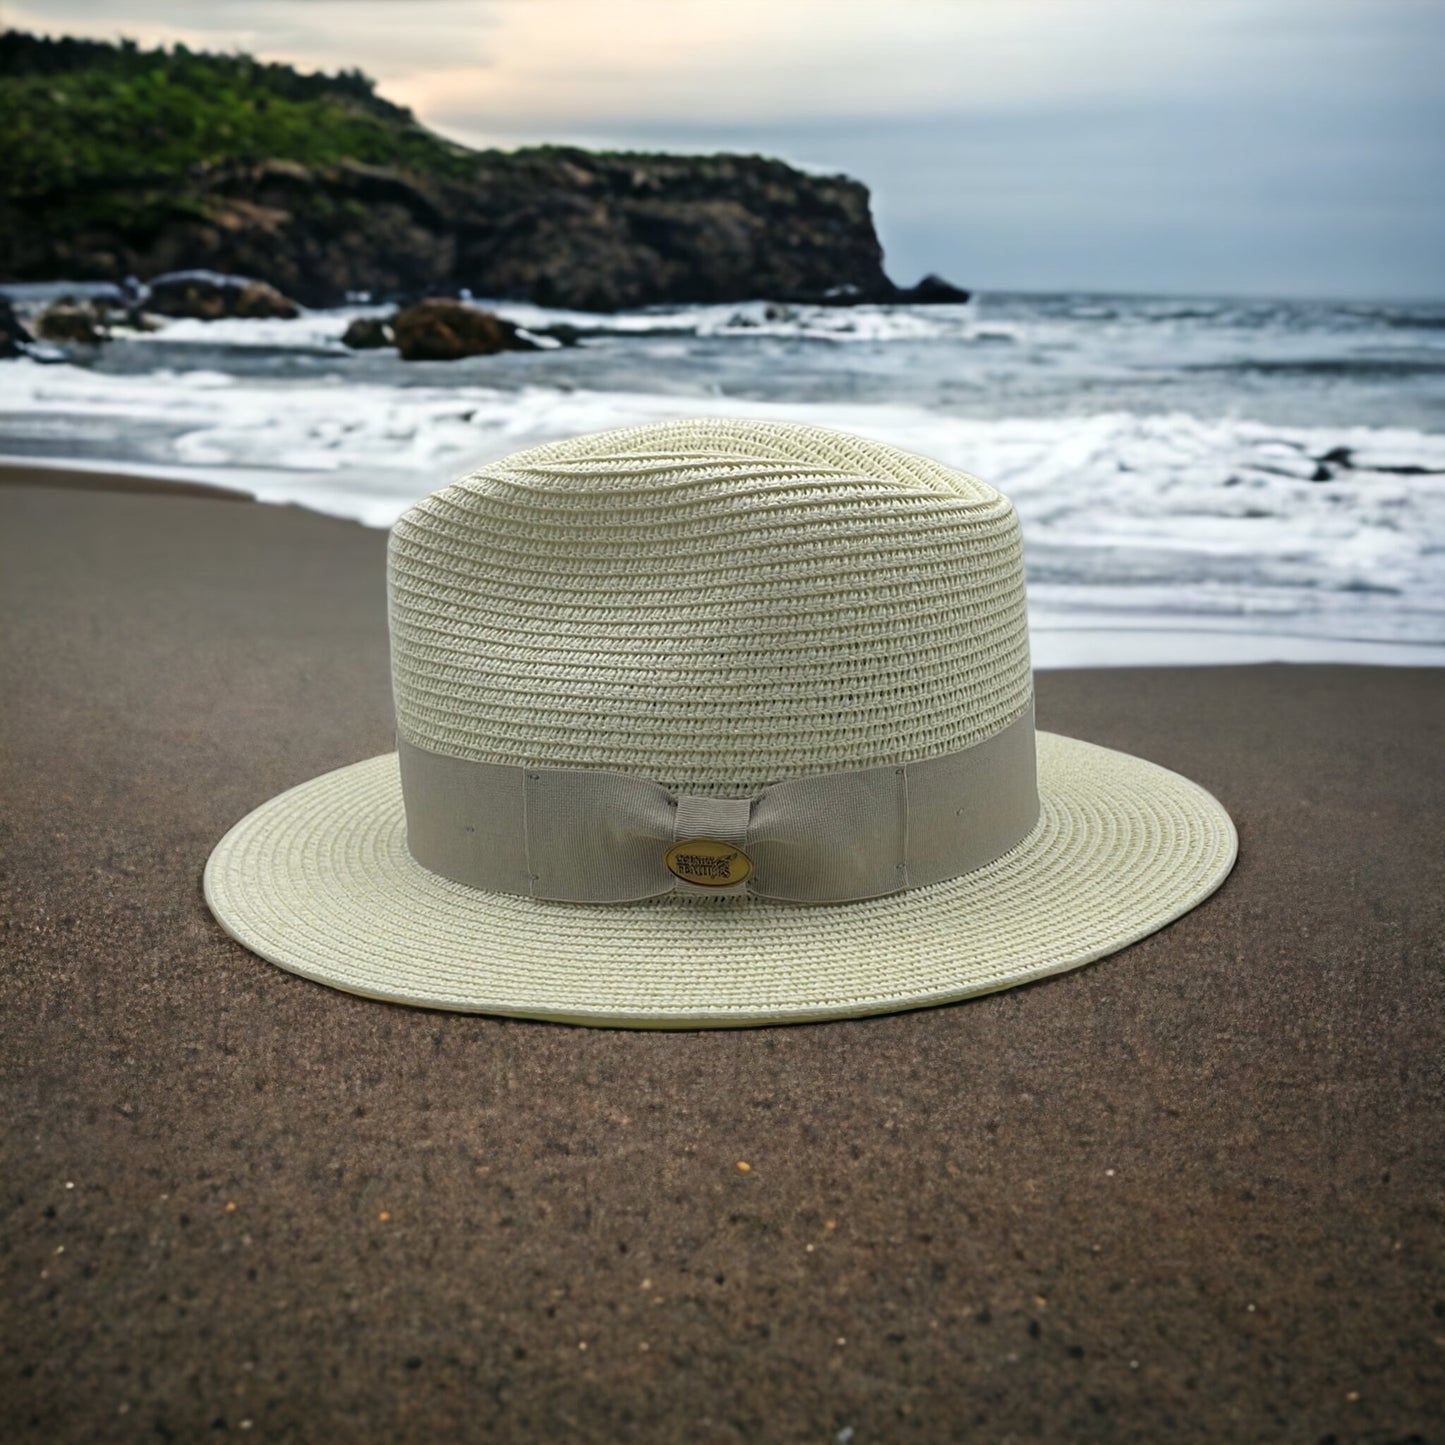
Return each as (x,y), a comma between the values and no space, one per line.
(716,604)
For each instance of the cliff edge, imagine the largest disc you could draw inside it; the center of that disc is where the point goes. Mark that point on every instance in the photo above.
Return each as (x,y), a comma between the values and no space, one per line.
(123,161)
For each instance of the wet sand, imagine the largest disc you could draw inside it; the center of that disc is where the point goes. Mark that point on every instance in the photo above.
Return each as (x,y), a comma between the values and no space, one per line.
(1190,1193)
(98,479)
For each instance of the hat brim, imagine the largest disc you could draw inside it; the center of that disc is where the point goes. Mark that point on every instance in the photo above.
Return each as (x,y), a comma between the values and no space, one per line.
(319,881)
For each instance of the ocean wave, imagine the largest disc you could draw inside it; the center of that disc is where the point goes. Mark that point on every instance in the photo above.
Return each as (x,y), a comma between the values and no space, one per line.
(324,329)
(1330,531)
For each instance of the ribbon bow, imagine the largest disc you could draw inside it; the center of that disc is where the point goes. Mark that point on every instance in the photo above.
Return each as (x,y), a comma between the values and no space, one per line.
(590,836)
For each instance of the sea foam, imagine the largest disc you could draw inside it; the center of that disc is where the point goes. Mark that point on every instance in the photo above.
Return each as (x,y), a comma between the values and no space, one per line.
(1167,524)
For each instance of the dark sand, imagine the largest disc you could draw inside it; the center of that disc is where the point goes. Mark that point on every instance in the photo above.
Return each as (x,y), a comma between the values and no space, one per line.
(22,474)
(1191,1193)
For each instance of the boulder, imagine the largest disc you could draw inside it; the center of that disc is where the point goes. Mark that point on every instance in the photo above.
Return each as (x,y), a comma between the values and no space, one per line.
(14,338)
(439,329)
(210,296)
(71,323)
(367,333)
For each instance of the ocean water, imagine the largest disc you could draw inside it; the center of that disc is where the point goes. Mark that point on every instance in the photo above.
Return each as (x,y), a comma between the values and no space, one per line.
(1199,480)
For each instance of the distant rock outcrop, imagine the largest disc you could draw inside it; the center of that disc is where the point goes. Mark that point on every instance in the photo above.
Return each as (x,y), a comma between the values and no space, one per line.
(933,291)
(559,228)
(326,190)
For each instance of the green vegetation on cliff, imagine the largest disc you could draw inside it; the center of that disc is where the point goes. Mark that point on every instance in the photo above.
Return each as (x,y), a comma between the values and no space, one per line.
(79,114)
(119,161)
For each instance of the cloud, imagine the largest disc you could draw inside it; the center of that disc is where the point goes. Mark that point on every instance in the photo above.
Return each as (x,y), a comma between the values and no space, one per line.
(529,64)
(382,37)
(563,63)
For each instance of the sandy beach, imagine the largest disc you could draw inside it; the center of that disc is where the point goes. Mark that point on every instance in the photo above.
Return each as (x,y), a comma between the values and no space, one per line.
(1189,1193)
(105,479)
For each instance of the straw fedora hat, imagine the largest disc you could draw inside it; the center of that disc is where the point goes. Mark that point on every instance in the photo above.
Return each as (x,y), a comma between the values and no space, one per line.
(713,723)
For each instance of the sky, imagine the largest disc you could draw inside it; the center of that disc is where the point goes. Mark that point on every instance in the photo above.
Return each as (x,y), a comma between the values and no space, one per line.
(1204,147)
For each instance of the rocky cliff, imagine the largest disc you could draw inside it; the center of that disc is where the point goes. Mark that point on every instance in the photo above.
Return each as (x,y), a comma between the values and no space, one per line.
(559,227)
(130,162)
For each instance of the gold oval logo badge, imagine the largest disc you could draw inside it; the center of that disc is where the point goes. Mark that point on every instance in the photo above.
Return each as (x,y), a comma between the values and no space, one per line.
(708,862)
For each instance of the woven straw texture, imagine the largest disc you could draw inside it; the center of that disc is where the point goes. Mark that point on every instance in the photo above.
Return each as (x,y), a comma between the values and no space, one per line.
(717,604)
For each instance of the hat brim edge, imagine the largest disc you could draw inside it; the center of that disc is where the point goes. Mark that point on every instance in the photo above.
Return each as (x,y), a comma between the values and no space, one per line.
(219,891)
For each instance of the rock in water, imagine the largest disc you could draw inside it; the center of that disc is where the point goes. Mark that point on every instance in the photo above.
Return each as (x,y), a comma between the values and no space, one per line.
(69,322)
(209,296)
(367,333)
(439,329)
(933,290)
(14,338)
(259,298)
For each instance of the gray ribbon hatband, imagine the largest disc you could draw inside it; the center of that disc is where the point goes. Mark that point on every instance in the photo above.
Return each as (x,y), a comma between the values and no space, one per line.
(584,836)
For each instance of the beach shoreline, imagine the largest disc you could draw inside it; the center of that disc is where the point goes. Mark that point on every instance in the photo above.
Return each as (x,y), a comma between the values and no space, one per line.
(1198,483)
(109,478)
(1057,640)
